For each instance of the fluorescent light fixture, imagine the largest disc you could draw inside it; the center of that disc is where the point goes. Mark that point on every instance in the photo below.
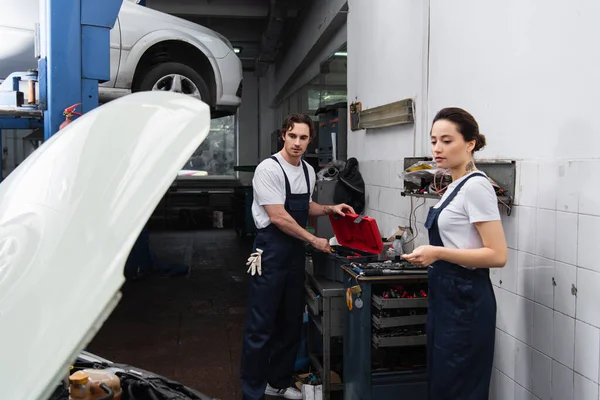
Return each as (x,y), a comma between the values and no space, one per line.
(236,50)
(341,54)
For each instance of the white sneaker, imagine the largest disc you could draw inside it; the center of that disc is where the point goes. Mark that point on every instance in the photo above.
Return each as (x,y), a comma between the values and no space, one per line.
(289,393)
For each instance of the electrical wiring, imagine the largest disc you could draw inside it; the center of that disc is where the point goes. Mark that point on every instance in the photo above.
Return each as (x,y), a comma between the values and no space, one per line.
(508,207)
(442,188)
(410,217)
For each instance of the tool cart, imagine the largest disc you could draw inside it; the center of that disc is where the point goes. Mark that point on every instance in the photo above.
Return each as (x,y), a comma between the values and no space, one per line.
(325,306)
(384,337)
(359,241)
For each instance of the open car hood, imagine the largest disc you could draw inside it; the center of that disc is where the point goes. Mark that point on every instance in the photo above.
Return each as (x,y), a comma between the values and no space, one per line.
(69,216)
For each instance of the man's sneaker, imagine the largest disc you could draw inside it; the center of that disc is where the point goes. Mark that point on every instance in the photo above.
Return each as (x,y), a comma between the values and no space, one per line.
(289,393)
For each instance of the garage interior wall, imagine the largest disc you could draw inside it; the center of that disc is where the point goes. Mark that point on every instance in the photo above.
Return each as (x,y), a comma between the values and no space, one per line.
(321,32)
(529,79)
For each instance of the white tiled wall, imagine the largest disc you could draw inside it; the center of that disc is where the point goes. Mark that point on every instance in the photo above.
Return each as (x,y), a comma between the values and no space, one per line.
(548,295)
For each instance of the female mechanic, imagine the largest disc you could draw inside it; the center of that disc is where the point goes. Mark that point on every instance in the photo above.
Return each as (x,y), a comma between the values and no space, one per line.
(466,239)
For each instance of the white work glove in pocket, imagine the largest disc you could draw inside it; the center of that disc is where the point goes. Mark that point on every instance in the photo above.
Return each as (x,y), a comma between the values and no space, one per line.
(254,263)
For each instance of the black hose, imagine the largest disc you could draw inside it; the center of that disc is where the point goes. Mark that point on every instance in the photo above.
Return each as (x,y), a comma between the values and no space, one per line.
(108,390)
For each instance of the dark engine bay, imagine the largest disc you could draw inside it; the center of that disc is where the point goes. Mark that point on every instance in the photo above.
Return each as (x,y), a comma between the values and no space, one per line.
(91,378)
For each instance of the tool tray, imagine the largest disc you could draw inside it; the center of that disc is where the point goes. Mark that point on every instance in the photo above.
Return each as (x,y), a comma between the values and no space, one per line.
(328,265)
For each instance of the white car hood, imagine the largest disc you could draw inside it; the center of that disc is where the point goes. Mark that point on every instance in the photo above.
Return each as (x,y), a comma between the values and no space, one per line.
(69,216)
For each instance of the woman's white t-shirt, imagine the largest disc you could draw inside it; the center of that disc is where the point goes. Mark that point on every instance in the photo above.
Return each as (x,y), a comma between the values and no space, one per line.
(475,202)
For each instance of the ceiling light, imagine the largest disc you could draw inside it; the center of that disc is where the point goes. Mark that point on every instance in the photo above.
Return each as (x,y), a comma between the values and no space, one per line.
(236,50)
(341,54)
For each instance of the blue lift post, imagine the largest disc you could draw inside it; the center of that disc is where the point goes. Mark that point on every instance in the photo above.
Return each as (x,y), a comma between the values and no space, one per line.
(76,57)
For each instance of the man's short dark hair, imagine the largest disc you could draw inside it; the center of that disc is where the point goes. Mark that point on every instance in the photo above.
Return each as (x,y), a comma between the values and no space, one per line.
(293,119)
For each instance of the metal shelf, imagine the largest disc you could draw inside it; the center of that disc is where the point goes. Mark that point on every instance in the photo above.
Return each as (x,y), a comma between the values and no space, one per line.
(21,112)
(504,199)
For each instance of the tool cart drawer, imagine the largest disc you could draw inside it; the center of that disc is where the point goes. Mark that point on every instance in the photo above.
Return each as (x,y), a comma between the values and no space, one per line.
(313,301)
(398,341)
(385,304)
(392,322)
(409,385)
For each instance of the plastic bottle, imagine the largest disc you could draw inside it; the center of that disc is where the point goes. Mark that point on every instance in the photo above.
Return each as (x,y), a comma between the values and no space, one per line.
(408,242)
(398,250)
(79,386)
(85,385)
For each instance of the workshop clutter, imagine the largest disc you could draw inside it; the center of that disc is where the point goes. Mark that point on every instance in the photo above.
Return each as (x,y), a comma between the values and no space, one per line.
(424,177)
(349,187)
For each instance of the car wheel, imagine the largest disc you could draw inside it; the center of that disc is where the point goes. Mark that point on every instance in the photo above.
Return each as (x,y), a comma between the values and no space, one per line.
(176,77)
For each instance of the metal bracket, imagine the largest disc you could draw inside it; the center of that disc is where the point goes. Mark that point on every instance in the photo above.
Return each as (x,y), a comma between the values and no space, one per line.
(397,113)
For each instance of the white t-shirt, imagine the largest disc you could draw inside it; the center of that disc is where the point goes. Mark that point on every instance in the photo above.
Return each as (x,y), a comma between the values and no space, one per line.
(269,186)
(475,202)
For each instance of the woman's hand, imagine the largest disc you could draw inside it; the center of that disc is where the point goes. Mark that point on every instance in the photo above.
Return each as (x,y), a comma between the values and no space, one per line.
(423,256)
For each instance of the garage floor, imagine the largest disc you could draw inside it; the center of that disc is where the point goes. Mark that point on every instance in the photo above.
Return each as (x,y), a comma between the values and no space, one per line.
(185,328)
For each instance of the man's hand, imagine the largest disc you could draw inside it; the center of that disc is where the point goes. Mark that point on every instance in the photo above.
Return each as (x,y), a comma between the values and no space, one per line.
(422,256)
(340,209)
(321,245)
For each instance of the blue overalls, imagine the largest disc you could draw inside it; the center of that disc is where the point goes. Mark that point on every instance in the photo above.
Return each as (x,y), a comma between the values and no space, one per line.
(461,323)
(276,303)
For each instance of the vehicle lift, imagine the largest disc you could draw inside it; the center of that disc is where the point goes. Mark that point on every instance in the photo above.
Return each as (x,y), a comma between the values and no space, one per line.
(74,57)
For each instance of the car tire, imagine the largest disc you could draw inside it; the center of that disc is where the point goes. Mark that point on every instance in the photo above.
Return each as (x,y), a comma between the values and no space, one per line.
(162,77)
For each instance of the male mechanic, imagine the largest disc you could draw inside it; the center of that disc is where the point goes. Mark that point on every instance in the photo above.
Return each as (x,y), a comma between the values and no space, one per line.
(283,186)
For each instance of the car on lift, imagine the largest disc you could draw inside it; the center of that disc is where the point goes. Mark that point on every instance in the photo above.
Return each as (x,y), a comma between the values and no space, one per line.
(149,50)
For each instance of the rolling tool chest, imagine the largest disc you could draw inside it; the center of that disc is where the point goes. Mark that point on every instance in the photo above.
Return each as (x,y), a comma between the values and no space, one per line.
(378,308)
(360,241)
(384,336)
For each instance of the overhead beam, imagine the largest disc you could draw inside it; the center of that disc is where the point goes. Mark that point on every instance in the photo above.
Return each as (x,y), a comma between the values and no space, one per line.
(269,43)
(211,8)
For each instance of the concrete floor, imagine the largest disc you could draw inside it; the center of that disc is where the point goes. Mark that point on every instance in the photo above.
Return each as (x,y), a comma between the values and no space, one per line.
(186,328)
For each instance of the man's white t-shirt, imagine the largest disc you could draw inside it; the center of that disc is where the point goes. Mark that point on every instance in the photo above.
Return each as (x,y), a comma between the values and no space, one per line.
(269,186)
(475,202)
